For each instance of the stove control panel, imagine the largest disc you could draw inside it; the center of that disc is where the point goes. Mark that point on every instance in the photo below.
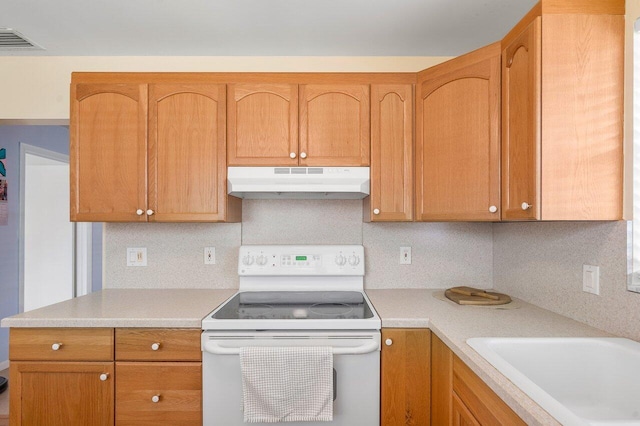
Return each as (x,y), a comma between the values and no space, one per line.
(301,260)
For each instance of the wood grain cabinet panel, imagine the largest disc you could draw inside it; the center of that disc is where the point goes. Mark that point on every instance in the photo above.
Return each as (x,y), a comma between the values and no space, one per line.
(441,382)
(562,114)
(334,125)
(391,154)
(262,124)
(167,393)
(521,125)
(481,402)
(61,393)
(187,153)
(458,139)
(108,158)
(161,344)
(405,385)
(61,344)
(461,414)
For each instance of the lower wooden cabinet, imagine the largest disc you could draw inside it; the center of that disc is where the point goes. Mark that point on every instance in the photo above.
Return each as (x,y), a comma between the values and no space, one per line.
(88,377)
(61,393)
(460,397)
(152,393)
(405,388)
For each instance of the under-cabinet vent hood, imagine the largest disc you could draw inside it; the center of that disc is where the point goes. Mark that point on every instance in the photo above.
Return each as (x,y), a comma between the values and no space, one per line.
(346,183)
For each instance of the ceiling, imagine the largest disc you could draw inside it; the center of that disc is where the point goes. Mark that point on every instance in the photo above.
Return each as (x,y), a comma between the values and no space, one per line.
(259,27)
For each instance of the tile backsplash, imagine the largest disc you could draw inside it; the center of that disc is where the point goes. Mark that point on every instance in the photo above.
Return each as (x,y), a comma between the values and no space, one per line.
(444,254)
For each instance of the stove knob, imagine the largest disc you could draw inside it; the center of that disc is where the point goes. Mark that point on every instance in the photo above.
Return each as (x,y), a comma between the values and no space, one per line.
(340,260)
(354,260)
(247,260)
(261,260)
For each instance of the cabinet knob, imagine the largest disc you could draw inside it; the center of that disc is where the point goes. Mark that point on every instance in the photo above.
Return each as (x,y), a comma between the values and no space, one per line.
(56,346)
(292,155)
(155,346)
(493,209)
(104,376)
(376,211)
(139,212)
(155,398)
(150,212)
(388,342)
(526,206)
(303,155)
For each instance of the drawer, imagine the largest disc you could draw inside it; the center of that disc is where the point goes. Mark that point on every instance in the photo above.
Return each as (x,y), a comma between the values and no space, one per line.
(177,386)
(61,344)
(161,344)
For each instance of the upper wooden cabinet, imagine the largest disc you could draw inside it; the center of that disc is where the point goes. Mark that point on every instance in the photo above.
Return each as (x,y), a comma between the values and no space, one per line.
(108,147)
(334,125)
(187,153)
(262,124)
(458,139)
(391,154)
(562,73)
(176,174)
(268,126)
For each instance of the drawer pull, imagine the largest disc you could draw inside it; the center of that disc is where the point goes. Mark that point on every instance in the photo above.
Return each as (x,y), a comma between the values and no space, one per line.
(104,376)
(155,398)
(155,346)
(56,346)
(388,342)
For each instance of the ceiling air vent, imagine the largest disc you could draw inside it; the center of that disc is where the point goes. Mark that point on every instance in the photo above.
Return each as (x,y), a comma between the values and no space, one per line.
(12,40)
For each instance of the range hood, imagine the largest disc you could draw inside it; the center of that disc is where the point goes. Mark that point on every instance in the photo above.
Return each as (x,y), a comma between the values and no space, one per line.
(339,183)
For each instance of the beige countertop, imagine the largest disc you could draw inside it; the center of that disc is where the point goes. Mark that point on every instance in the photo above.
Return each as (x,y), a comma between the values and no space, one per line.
(398,308)
(454,324)
(175,308)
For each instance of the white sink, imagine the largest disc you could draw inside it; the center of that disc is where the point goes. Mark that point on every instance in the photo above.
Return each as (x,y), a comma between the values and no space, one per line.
(579,381)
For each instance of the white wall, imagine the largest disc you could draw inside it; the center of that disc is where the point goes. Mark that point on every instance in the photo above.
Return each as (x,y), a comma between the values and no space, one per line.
(38,87)
(48,234)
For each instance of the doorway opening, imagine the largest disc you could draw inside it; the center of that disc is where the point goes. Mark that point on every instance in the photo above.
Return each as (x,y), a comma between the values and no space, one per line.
(54,253)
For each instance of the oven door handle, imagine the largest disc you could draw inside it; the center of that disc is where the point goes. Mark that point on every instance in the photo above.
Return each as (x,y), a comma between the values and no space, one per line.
(214,348)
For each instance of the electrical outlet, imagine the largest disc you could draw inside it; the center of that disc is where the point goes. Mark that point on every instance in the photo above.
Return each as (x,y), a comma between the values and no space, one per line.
(405,255)
(591,279)
(136,256)
(209,255)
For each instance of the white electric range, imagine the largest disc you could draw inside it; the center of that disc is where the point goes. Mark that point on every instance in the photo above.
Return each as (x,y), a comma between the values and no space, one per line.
(296,296)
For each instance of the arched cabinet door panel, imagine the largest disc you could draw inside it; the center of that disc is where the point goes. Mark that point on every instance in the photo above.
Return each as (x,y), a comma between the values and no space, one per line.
(108,152)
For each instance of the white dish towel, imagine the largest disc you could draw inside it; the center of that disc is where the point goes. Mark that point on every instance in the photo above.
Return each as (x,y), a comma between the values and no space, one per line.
(287,384)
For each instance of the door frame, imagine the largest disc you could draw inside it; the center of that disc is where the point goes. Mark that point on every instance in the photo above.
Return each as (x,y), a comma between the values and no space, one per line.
(82,235)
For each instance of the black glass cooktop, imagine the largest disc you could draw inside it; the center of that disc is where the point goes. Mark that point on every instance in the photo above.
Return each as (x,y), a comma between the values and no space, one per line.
(296,305)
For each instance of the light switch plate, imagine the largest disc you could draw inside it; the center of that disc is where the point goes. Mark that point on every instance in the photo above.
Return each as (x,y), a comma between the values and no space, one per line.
(136,256)
(209,255)
(405,255)
(591,279)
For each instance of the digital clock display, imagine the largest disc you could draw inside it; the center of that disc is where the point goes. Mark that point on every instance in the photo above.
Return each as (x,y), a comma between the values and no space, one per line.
(301,258)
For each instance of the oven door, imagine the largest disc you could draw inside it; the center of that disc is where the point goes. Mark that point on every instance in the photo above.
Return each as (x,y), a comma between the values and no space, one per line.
(356,363)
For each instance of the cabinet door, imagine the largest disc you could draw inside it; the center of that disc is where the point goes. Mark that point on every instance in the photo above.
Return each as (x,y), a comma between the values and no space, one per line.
(334,125)
(458,139)
(441,382)
(61,393)
(108,152)
(391,154)
(478,399)
(405,390)
(154,393)
(187,157)
(262,124)
(521,125)
(461,414)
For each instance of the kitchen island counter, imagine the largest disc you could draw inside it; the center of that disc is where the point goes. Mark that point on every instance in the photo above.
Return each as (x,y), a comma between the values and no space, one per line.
(454,324)
(166,308)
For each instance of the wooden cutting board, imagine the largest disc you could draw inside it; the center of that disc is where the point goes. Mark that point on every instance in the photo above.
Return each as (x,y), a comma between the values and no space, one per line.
(461,299)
